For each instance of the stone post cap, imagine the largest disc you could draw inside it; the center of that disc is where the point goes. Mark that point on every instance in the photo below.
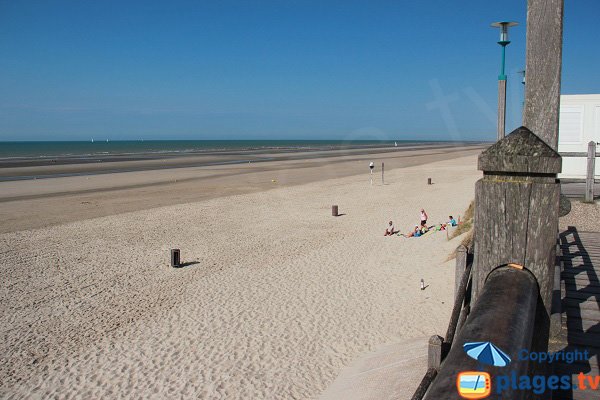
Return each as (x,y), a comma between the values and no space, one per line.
(520,152)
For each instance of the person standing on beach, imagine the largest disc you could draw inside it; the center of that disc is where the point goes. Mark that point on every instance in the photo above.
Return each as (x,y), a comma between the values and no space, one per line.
(423,217)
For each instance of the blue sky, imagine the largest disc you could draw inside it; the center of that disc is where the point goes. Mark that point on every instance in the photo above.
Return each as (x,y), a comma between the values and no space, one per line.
(72,70)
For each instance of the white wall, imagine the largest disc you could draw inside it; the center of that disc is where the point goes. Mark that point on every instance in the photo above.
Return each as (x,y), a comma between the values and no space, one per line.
(579,123)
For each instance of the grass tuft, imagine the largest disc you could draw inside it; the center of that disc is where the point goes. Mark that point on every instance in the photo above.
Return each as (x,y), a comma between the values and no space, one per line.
(465,226)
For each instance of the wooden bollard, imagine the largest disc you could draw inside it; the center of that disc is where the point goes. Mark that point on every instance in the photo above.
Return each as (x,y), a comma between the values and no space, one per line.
(429,181)
(434,352)
(175,258)
(334,211)
(591,166)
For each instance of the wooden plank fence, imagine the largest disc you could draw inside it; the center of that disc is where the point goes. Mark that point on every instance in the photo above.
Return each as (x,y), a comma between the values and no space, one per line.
(590,170)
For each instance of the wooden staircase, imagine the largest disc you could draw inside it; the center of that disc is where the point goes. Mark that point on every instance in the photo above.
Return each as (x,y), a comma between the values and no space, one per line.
(580,289)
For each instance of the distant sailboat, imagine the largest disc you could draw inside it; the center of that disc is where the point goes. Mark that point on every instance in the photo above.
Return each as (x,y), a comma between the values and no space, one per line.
(92,140)
(106,140)
(395,144)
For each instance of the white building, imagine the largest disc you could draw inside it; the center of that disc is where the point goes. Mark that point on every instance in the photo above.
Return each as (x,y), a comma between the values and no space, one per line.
(579,124)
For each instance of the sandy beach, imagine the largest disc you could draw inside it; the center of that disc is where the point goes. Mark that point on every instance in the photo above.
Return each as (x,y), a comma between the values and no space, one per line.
(277,295)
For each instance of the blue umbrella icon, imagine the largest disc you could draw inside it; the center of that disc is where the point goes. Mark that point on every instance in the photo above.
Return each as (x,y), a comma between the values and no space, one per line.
(487,353)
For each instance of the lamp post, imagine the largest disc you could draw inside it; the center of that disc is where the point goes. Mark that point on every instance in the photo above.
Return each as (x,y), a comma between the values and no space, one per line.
(504,25)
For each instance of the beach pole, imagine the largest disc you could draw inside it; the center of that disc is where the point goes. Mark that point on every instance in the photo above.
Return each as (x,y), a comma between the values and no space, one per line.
(591,167)
(175,258)
(334,211)
(371,167)
(382,169)
(543,68)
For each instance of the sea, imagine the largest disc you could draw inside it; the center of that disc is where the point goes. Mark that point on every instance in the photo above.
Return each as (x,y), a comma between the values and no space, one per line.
(100,157)
(70,149)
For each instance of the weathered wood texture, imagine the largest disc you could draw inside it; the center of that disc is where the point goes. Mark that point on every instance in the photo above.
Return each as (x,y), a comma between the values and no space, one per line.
(458,304)
(516,210)
(576,153)
(502,315)
(543,68)
(434,353)
(591,168)
(556,310)
(524,153)
(424,385)
(501,129)
(461,265)
(580,258)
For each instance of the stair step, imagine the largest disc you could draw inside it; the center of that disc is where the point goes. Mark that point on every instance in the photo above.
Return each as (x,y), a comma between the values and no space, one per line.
(578,303)
(583,340)
(582,296)
(574,272)
(580,282)
(574,288)
(588,368)
(586,314)
(575,324)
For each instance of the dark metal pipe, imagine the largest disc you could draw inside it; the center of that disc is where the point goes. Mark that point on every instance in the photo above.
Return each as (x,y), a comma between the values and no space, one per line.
(504,315)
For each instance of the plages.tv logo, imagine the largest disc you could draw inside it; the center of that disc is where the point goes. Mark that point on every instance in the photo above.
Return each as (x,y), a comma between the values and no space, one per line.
(476,384)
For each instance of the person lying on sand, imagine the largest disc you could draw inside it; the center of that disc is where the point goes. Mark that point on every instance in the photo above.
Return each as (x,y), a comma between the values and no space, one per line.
(415,233)
(389,230)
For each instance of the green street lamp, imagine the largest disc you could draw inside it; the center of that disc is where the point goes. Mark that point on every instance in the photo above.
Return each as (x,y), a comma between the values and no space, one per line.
(503,25)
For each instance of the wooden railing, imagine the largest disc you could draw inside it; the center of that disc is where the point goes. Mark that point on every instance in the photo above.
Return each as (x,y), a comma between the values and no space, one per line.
(503,314)
(438,347)
(590,172)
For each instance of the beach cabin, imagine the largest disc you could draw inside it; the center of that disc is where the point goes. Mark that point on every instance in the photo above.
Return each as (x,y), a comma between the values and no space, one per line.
(578,125)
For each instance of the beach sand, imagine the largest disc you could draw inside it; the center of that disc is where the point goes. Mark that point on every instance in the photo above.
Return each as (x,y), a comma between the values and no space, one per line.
(277,297)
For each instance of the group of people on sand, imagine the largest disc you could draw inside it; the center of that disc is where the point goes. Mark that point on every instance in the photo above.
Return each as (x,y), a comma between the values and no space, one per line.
(422,228)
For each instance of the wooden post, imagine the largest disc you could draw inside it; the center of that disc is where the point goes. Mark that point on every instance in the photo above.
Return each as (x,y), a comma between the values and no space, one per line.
(501,109)
(434,352)
(591,169)
(334,211)
(429,181)
(543,68)
(382,169)
(516,210)
(461,264)
(175,258)
(503,316)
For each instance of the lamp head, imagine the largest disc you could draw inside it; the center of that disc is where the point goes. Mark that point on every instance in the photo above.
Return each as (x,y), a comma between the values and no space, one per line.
(504,25)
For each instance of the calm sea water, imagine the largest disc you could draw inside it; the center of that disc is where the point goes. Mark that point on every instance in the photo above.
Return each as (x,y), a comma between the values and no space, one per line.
(11,150)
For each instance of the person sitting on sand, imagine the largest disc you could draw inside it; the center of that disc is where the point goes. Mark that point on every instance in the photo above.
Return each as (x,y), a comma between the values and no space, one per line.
(389,230)
(423,217)
(451,221)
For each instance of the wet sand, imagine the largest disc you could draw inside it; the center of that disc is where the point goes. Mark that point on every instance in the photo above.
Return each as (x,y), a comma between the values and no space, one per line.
(41,202)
